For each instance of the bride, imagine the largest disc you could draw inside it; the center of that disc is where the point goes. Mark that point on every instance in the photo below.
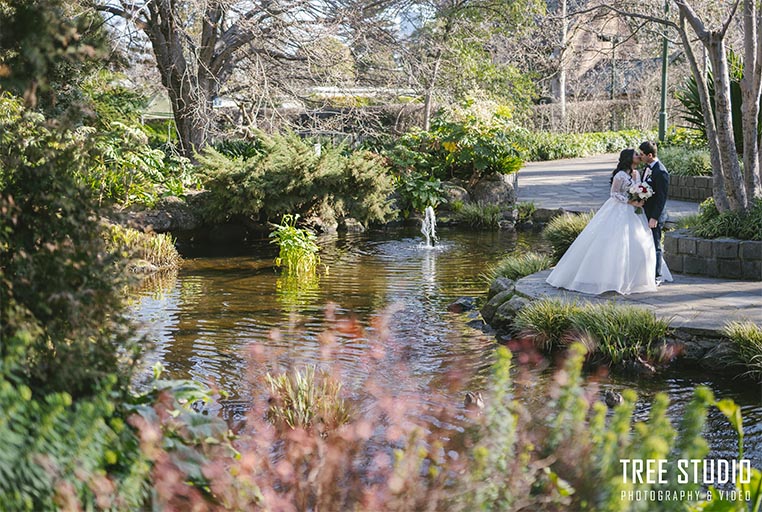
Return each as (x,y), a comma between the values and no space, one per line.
(615,251)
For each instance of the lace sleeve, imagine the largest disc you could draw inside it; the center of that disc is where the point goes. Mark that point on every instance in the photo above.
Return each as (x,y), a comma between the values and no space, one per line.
(619,187)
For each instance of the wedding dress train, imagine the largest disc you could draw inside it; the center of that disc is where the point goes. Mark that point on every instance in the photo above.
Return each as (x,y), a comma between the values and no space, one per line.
(615,252)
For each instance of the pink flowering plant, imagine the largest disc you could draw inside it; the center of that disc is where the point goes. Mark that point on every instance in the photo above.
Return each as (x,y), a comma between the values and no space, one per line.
(640,192)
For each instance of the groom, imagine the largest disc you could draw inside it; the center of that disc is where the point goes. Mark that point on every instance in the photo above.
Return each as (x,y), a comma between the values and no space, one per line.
(656,175)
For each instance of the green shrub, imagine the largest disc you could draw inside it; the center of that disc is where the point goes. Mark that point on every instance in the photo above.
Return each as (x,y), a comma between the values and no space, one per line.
(562,230)
(298,250)
(462,145)
(540,146)
(239,148)
(518,266)
(686,162)
(747,337)
(417,192)
(301,399)
(710,223)
(62,328)
(480,215)
(157,249)
(615,332)
(289,176)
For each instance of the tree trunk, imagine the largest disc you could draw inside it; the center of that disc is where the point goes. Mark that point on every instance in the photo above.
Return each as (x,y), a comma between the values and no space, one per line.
(430,92)
(734,183)
(718,182)
(750,92)
(562,65)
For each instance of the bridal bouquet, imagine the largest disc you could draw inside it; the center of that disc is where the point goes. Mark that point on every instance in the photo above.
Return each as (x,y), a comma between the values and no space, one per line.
(640,192)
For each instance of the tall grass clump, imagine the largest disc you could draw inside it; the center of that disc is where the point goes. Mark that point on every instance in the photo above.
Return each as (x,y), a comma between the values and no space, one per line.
(157,249)
(747,338)
(298,249)
(561,231)
(480,215)
(547,321)
(304,398)
(617,333)
(526,209)
(621,333)
(517,266)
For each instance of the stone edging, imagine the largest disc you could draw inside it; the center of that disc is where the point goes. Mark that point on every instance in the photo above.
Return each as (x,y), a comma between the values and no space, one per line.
(721,257)
(690,188)
(700,347)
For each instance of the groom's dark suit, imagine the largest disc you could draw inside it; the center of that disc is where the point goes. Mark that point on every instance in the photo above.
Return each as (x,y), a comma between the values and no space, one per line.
(658,178)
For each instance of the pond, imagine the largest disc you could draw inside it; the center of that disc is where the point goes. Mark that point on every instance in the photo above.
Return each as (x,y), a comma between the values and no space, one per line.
(227,299)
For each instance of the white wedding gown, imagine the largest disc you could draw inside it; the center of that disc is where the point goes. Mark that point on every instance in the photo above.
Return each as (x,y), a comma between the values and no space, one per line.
(615,252)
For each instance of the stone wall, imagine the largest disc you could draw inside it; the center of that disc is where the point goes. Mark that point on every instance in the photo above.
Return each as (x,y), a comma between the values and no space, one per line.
(722,257)
(690,188)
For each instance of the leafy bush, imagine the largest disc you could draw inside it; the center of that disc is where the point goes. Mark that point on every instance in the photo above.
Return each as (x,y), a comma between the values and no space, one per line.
(710,223)
(518,266)
(480,215)
(686,162)
(462,145)
(747,337)
(617,333)
(562,230)
(417,192)
(289,176)
(126,170)
(298,250)
(62,435)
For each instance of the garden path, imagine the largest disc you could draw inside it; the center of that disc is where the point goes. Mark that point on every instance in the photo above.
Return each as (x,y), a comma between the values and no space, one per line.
(694,304)
(578,184)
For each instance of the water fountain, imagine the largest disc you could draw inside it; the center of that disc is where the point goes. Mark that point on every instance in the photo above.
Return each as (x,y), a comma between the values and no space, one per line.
(429,227)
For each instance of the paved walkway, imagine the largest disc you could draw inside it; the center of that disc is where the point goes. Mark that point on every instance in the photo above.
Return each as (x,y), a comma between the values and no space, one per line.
(694,304)
(578,184)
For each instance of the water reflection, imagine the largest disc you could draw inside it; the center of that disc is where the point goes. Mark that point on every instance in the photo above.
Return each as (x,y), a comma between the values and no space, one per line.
(206,320)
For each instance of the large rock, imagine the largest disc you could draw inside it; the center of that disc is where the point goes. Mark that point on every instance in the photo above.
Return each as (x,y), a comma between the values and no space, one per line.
(181,214)
(454,192)
(494,189)
(489,309)
(500,284)
(504,315)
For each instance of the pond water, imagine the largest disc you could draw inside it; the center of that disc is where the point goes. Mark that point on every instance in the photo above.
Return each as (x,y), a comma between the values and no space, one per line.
(227,299)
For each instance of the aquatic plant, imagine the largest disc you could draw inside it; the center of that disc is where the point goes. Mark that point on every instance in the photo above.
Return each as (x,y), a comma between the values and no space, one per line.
(747,338)
(298,250)
(516,266)
(156,249)
(561,231)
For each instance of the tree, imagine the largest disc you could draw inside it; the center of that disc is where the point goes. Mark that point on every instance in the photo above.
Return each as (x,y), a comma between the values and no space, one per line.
(733,189)
(452,37)
(198,45)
